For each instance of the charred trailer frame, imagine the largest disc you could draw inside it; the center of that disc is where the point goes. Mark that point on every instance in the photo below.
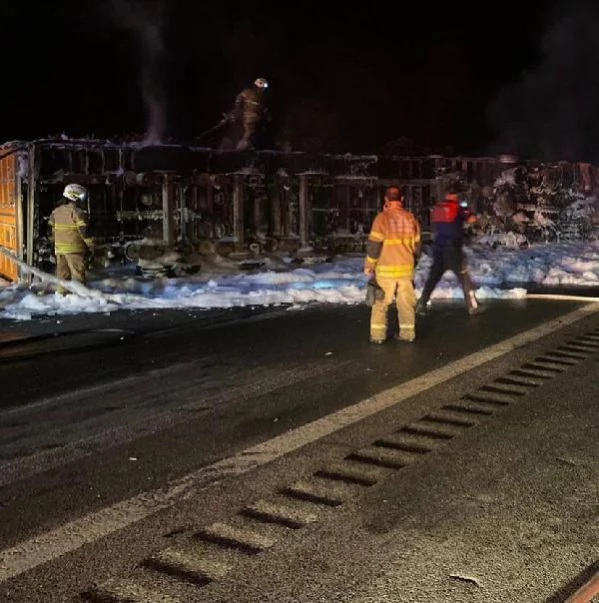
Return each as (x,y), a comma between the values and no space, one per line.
(235,202)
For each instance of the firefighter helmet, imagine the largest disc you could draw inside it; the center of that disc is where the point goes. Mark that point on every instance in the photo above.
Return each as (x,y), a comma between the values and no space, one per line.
(261,83)
(75,192)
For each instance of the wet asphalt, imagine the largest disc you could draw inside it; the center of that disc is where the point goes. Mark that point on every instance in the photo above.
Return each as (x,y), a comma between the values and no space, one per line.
(317,360)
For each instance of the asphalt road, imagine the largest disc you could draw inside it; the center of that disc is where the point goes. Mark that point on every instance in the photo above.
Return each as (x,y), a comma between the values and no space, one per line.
(116,406)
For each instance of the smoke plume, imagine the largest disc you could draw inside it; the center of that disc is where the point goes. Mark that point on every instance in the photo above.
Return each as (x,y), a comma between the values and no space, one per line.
(146,18)
(552,112)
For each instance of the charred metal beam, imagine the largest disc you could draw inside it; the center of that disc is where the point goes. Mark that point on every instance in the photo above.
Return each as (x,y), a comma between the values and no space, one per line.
(34,169)
(168,207)
(305,211)
(238,211)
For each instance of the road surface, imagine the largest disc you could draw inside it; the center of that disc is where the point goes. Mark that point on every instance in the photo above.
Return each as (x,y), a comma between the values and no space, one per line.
(278,456)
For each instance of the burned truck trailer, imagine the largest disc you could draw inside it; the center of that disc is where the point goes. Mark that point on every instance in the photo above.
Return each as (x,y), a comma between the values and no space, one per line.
(207,201)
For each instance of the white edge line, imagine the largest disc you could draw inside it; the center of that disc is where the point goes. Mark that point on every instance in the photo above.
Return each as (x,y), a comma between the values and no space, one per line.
(72,536)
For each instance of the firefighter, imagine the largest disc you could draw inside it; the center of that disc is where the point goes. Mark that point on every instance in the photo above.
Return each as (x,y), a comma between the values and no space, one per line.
(73,244)
(250,112)
(392,253)
(448,218)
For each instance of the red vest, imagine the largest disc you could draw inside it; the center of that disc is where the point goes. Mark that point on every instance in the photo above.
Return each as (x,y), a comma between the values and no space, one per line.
(445,212)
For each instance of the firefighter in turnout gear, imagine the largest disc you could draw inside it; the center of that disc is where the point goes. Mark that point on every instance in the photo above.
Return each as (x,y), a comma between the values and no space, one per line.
(250,112)
(448,218)
(70,234)
(392,253)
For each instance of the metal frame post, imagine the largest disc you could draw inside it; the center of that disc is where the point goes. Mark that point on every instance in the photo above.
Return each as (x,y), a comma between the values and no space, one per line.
(305,211)
(31,206)
(238,211)
(168,219)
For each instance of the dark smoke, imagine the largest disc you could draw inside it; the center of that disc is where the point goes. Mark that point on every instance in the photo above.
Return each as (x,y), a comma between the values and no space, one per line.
(552,112)
(146,18)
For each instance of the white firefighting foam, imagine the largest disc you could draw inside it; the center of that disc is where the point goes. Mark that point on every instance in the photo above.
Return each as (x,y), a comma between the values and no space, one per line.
(500,273)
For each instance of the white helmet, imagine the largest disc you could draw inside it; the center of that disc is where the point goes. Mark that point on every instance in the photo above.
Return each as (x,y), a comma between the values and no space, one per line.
(75,192)
(261,83)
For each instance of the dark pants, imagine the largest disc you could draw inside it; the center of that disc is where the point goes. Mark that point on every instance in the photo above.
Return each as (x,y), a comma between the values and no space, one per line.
(448,258)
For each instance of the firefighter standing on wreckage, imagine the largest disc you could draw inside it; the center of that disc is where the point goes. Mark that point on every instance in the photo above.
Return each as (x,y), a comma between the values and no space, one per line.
(248,115)
(73,244)
(448,218)
(392,254)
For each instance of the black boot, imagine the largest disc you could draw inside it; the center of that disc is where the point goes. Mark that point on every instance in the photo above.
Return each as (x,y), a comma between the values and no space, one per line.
(421,308)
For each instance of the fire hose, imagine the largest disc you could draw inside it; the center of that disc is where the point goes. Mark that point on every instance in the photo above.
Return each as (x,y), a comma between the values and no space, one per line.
(562,297)
(214,128)
(74,287)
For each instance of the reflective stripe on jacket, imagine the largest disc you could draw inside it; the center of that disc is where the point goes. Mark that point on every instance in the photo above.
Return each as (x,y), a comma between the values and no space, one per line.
(393,243)
(248,105)
(70,229)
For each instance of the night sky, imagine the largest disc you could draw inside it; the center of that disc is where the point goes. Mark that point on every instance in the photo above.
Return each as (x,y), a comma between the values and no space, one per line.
(465,78)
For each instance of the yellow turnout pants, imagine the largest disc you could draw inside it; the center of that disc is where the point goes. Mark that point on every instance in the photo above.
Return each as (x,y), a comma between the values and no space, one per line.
(70,267)
(403,291)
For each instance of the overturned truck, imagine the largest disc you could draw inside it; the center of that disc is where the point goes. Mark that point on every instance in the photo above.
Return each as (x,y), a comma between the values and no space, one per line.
(148,200)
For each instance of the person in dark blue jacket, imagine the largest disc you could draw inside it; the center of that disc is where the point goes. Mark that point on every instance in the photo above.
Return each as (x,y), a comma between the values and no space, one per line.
(448,219)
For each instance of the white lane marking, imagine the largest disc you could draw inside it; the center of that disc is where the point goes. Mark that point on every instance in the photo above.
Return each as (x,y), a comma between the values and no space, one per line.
(67,538)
